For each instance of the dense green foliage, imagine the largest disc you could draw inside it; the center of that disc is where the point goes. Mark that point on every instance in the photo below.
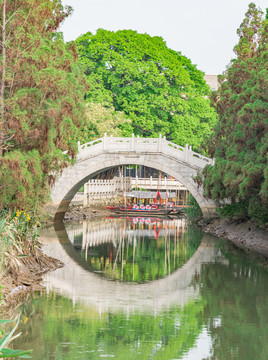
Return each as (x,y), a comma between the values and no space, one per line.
(100,120)
(193,210)
(43,101)
(22,180)
(240,139)
(158,89)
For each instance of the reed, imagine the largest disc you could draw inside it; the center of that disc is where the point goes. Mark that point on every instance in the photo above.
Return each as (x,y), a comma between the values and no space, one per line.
(19,237)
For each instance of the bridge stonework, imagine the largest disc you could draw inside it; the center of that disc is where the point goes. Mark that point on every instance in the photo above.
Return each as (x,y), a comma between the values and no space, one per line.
(109,152)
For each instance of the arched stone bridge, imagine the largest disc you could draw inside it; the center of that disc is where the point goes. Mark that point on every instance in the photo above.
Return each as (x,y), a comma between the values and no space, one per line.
(108,152)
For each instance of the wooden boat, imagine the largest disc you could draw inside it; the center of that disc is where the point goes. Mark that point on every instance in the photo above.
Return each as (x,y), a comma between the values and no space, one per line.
(150,209)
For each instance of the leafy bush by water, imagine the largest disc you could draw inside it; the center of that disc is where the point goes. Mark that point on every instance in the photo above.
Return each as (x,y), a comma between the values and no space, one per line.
(193,210)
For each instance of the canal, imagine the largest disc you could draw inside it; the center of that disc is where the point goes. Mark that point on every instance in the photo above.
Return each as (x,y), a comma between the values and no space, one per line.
(144,288)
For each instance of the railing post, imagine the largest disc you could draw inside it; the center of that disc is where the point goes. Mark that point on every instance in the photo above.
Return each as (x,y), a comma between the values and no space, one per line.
(190,155)
(160,143)
(186,152)
(104,139)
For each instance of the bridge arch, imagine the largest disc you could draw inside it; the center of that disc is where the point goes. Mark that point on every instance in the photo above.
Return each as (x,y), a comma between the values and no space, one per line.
(108,152)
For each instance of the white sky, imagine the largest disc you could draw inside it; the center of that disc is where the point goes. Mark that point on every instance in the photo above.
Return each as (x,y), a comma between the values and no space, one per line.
(203,30)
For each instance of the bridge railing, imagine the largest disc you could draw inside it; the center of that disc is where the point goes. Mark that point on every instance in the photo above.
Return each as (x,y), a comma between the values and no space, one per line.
(143,145)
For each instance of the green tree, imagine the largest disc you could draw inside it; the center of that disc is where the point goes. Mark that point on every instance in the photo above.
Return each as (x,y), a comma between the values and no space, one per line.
(42,98)
(100,120)
(240,138)
(157,88)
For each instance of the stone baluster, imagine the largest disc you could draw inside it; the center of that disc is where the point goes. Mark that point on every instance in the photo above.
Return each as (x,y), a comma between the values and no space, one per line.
(160,143)
(186,153)
(190,154)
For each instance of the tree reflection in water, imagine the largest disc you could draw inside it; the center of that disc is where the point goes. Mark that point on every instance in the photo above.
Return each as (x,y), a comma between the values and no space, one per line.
(135,249)
(236,313)
(58,330)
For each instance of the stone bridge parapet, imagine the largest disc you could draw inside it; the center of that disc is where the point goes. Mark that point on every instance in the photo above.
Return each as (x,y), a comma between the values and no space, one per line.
(137,145)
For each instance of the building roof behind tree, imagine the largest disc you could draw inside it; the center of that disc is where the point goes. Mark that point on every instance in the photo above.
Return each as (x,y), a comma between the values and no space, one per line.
(212,81)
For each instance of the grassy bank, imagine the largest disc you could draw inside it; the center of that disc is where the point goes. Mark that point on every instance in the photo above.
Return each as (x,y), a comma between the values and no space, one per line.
(22,262)
(19,237)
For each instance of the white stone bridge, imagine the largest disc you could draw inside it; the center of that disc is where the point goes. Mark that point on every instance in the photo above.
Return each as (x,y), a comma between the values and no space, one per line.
(108,152)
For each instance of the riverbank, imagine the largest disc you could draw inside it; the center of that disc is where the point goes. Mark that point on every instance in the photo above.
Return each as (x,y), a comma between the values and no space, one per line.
(23,275)
(22,262)
(246,235)
(82,213)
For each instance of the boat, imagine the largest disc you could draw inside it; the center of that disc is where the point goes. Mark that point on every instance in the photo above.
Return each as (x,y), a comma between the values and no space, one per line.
(147,203)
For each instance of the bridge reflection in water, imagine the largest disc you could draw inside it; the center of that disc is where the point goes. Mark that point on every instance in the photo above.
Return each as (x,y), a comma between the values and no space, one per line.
(134,249)
(97,251)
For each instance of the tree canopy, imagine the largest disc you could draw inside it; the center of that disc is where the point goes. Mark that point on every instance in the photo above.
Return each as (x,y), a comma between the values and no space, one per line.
(42,99)
(240,138)
(100,120)
(157,88)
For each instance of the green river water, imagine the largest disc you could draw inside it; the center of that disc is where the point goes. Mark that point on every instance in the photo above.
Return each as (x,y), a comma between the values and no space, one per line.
(146,289)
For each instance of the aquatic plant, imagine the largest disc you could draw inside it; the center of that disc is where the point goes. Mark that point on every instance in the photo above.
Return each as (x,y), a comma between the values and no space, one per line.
(11,353)
(5,339)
